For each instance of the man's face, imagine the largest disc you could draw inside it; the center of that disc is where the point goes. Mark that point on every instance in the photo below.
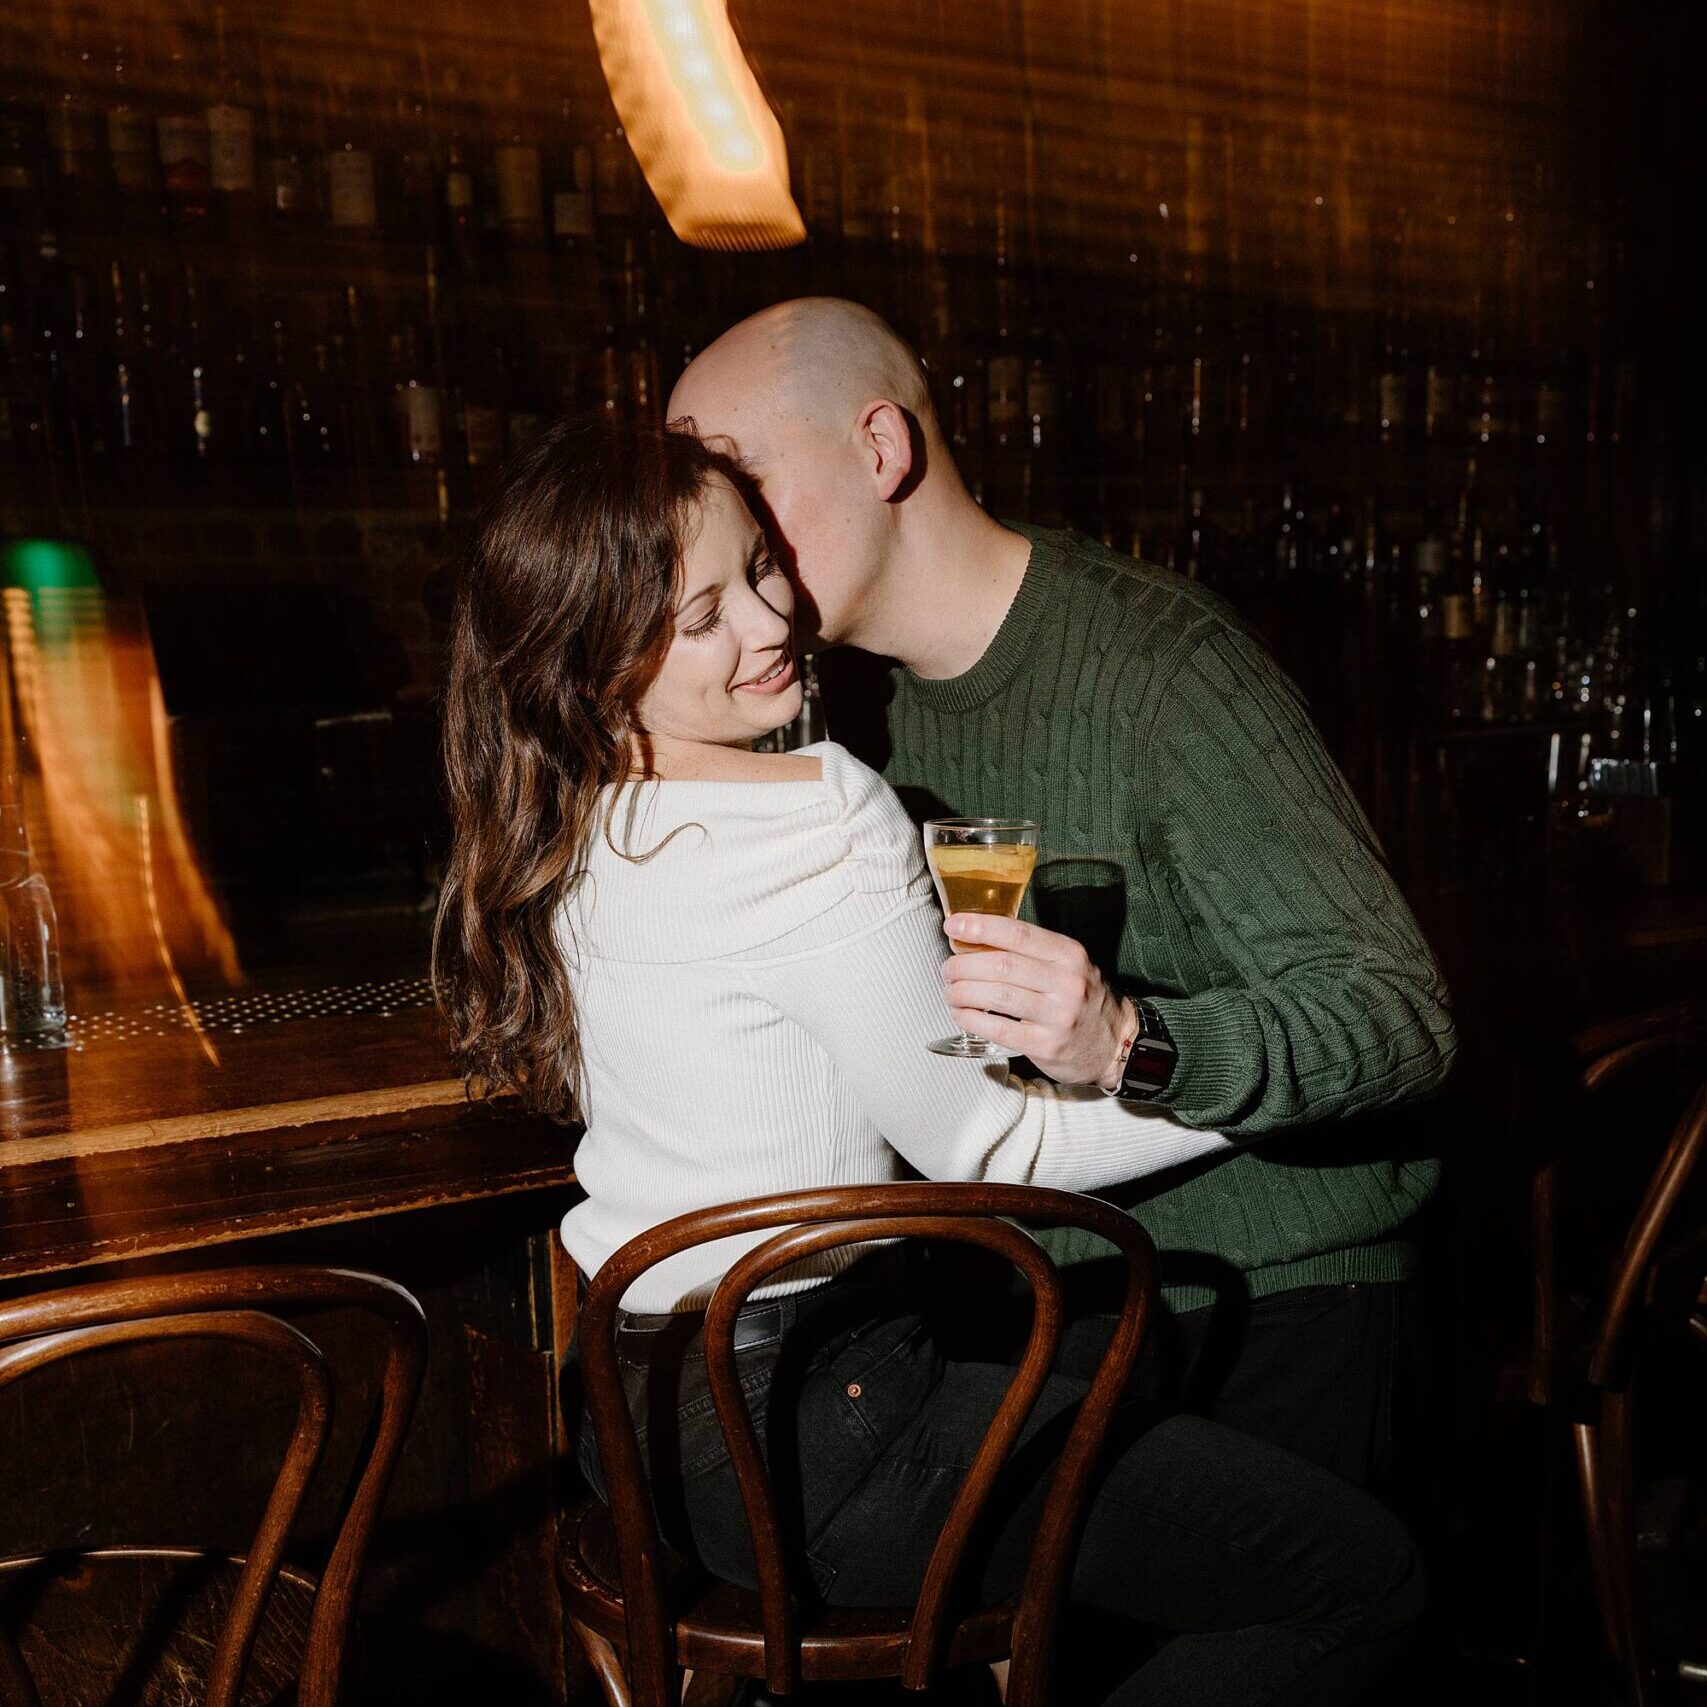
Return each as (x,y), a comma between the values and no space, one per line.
(811,491)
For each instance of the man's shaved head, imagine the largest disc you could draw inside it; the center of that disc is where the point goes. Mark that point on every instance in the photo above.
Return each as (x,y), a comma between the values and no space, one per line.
(813,363)
(832,414)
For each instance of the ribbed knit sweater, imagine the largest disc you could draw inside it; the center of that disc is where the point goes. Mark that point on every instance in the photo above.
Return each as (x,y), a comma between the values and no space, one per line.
(1145,727)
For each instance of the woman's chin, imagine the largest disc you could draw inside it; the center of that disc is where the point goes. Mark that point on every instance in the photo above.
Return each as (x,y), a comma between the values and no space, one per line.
(785,710)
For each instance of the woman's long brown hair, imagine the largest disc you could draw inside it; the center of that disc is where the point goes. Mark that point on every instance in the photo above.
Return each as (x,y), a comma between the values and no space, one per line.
(563,618)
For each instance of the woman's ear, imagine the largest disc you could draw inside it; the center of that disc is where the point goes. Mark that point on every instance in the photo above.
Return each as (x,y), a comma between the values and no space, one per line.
(886,438)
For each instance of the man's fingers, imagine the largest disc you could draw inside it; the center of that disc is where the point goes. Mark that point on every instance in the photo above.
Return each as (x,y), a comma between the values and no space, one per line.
(996,998)
(994,1028)
(997,930)
(1019,970)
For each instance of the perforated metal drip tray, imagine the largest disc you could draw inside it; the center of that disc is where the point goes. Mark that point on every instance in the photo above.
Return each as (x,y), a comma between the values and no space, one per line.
(239,1012)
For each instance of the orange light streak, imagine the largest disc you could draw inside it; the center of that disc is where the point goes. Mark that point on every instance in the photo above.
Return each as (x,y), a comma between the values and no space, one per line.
(146,843)
(709,144)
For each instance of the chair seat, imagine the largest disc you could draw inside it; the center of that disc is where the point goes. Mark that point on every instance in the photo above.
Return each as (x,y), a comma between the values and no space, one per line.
(719,1625)
(139,1625)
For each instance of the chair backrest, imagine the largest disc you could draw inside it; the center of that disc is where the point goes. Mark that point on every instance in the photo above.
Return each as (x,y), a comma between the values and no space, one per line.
(236,1305)
(817,1221)
(1680,1035)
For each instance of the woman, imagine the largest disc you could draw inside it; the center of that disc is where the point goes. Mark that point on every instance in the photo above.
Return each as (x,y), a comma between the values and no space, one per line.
(728,963)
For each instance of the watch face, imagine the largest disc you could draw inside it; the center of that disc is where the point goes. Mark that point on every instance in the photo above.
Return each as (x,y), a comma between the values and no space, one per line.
(1149,1066)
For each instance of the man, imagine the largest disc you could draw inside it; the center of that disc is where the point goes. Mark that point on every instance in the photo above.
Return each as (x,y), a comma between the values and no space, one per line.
(1285,993)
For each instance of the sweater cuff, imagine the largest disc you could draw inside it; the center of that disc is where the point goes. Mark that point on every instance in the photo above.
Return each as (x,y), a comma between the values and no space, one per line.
(1220,1070)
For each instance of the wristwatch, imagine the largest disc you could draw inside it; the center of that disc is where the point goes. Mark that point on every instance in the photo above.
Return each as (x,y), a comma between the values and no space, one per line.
(1150,1061)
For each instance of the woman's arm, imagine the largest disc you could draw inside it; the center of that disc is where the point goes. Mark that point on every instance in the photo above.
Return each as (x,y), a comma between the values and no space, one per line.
(872,997)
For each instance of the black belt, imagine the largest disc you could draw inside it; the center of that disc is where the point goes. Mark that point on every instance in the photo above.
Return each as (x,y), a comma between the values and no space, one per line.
(639,1336)
(893,1269)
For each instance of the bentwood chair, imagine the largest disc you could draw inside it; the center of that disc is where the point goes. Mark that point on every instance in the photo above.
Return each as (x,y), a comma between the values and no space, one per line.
(1653,1301)
(646,1617)
(174,1626)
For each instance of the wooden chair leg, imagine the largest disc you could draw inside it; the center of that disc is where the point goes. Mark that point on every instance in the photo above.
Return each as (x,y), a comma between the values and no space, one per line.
(1595,1528)
(1618,1496)
(606,1664)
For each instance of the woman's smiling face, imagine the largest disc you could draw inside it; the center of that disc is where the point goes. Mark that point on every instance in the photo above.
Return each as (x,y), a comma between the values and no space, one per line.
(729,676)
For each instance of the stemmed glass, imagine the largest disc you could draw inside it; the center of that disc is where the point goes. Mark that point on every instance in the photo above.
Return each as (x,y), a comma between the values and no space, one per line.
(980,865)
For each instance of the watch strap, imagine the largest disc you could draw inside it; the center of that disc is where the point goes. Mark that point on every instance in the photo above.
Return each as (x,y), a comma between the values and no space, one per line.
(1151,1061)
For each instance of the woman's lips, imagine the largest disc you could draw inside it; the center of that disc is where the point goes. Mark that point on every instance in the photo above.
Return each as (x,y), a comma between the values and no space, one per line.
(782,679)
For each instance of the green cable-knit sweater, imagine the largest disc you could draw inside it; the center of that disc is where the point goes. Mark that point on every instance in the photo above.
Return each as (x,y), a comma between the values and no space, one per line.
(1184,793)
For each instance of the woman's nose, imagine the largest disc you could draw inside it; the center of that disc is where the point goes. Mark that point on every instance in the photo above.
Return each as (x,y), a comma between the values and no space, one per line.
(769,626)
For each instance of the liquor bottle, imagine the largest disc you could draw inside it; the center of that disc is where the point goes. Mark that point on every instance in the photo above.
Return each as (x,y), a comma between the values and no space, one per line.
(644,400)
(1044,451)
(32,994)
(47,323)
(230,129)
(1552,405)
(411,191)
(483,430)
(1462,655)
(516,168)
(130,436)
(290,186)
(1490,418)
(416,408)
(319,423)
(1005,376)
(73,126)
(352,196)
(199,422)
(572,226)
(459,219)
(808,725)
(89,343)
(273,400)
(185,173)
(21,150)
(530,400)
(1289,538)
(365,403)
(617,192)
(130,138)
(1392,388)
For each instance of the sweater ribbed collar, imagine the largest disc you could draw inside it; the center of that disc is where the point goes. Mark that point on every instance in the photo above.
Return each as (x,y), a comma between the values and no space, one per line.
(1011,645)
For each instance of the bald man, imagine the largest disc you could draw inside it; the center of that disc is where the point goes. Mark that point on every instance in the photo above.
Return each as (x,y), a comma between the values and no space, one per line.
(1242,953)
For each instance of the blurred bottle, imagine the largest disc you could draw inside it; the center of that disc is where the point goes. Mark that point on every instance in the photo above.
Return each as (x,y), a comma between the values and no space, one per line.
(572,227)
(808,725)
(458,212)
(32,997)
(73,125)
(290,184)
(516,168)
(411,196)
(230,128)
(130,139)
(644,396)
(185,174)
(352,194)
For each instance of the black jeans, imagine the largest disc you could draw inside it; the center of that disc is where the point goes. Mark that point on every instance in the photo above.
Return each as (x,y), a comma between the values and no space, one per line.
(1280,1583)
(1320,1370)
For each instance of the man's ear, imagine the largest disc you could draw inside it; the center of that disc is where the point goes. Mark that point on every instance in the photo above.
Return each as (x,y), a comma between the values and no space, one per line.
(886,439)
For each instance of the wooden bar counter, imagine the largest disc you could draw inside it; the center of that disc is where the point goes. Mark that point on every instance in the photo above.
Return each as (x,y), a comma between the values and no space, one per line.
(183,1125)
(301,1116)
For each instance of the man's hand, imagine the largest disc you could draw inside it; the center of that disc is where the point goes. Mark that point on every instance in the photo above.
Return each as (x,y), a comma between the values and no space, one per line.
(1037,993)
